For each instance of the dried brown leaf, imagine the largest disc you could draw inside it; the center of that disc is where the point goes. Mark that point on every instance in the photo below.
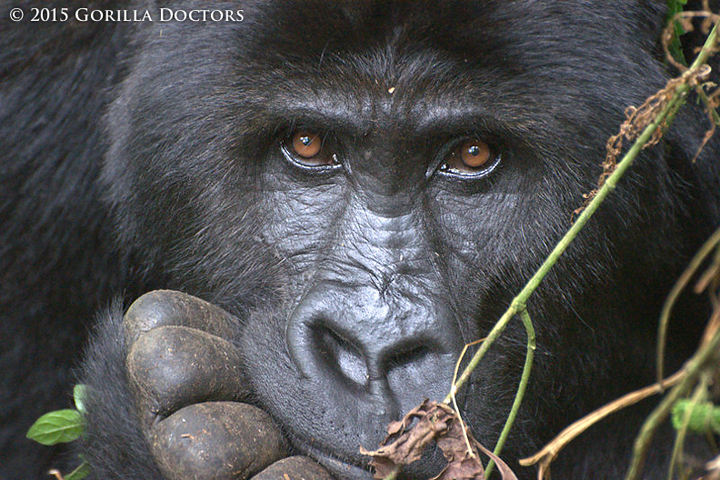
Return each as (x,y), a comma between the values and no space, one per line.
(427,423)
(468,468)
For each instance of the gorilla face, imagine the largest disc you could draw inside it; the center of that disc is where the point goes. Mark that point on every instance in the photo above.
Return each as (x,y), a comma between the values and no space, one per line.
(367,186)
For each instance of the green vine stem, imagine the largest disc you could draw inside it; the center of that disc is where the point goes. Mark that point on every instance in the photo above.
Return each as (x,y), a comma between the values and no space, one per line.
(677,289)
(529,355)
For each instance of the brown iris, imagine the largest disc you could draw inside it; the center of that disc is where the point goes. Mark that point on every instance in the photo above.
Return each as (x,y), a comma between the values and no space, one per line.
(307,148)
(306,144)
(470,157)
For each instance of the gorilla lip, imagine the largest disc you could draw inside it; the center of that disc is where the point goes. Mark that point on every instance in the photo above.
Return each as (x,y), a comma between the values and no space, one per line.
(350,471)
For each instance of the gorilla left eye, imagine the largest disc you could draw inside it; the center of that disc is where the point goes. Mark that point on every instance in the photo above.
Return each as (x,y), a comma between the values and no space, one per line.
(472,158)
(308,149)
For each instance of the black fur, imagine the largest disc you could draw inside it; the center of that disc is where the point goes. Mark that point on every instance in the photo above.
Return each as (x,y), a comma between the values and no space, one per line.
(145,155)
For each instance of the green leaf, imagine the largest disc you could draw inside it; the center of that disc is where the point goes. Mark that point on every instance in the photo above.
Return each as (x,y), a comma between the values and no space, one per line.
(704,417)
(60,426)
(79,397)
(675,47)
(79,473)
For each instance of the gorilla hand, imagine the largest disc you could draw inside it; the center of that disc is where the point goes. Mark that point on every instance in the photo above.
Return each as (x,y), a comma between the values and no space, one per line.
(188,383)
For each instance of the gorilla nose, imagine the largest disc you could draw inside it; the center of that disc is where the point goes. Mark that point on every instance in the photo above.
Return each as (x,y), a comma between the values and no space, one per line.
(371,350)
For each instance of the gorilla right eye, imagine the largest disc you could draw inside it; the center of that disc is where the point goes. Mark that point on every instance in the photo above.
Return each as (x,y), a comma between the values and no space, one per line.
(309,149)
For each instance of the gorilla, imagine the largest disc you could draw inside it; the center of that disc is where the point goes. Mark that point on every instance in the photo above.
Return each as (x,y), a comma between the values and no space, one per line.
(355,189)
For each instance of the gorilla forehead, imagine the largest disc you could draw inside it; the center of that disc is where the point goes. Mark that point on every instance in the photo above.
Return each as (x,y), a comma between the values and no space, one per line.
(446,67)
(549,34)
(407,66)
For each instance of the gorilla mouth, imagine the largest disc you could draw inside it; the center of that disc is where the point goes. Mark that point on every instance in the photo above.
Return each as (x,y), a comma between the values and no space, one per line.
(358,468)
(340,468)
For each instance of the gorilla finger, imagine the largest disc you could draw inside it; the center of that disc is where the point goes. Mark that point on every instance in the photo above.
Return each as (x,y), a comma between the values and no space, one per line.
(294,467)
(171,367)
(168,307)
(218,440)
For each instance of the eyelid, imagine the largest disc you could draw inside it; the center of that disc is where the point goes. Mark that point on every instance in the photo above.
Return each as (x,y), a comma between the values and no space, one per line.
(473,175)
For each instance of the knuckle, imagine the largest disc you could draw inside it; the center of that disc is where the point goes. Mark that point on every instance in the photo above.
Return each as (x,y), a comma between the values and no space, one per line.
(219,440)
(176,366)
(168,307)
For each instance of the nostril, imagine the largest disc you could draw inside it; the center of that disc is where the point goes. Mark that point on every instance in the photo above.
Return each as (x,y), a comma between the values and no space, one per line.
(420,368)
(407,355)
(339,355)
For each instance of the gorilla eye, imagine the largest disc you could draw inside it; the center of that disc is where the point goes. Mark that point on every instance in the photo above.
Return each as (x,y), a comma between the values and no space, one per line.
(470,158)
(308,149)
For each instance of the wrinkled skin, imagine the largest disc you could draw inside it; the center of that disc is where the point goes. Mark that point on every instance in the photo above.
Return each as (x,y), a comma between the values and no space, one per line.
(342,293)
